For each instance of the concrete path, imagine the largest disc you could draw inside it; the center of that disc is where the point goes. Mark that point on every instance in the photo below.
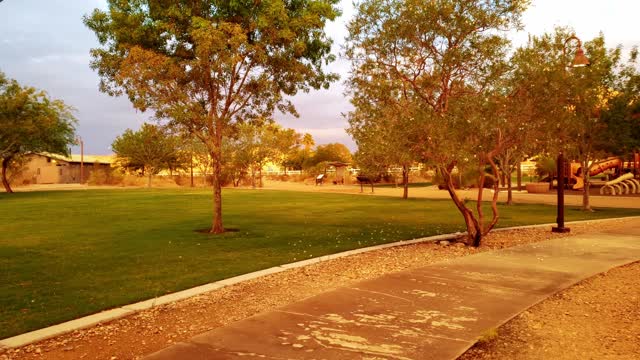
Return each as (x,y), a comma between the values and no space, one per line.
(434,312)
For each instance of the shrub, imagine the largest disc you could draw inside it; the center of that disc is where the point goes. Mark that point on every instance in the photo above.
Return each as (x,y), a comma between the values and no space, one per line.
(488,336)
(469,179)
(105,176)
(545,167)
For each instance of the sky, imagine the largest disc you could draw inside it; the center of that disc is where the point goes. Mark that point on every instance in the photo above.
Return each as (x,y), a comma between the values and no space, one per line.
(44,44)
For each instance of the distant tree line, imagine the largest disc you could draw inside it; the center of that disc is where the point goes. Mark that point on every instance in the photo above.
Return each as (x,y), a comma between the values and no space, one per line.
(250,147)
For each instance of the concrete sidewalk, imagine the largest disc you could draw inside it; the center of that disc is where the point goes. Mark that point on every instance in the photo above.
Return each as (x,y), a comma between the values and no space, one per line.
(434,312)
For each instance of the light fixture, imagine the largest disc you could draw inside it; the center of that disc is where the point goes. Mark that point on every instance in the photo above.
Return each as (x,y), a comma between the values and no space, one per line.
(580,59)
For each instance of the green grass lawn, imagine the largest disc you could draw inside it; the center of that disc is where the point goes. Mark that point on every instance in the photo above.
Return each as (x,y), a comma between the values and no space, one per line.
(71,253)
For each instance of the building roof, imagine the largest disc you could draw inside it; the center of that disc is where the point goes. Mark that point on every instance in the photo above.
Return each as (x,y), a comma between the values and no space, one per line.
(87,158)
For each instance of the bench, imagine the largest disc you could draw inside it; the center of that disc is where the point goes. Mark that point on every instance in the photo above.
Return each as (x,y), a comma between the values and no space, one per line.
(364,180)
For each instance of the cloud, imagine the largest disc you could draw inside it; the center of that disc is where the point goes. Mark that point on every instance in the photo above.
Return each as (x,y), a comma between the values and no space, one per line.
(79,58)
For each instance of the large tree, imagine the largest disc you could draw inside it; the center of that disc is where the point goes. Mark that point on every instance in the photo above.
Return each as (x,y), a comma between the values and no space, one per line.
(331,152)
(448,53)
(595,91)
(383,127)
(576,107)
(207,65)
(31,122)
(253,145)
(151,149)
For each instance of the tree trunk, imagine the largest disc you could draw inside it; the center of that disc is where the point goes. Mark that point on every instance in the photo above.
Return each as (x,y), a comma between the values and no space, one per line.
(506,169)
(5,182)
(474,233)
(519,175)
(260,177)
(216,226)
(192,185)
(405,182)
(494,199)
(149,179)
(191,165)
(509,191)
(586,206)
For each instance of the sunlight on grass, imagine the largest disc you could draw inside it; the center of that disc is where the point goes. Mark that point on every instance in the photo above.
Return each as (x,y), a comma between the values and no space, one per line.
(68,254)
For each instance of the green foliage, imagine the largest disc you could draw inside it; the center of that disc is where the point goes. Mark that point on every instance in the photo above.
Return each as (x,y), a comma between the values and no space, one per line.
(17,167)
(150,149)
(586,111)
(435,65)
(330,153)
(488,336)
(253,145)
(102,175)
(31,122)
(301,156)
(67,254)
(205,66)
(468,178)
(621,116)
(546,166)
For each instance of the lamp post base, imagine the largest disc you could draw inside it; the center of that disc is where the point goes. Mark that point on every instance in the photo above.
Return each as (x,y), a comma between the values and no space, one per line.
(558,229)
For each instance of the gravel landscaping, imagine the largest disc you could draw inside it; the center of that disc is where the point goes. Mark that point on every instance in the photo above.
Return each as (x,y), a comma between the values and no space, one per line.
(541,328)
(598,318)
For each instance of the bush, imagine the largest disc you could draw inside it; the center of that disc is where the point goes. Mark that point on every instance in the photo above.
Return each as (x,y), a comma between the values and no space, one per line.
(133,180)
(545,167)
(105,176)
(469,179)
(183,180)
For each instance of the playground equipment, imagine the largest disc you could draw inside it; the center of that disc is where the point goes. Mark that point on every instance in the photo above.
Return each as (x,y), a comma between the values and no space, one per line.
(625,184)
(597,168)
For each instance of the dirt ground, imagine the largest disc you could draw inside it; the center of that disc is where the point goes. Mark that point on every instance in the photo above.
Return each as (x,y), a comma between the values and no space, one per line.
(148,331)
(598,318)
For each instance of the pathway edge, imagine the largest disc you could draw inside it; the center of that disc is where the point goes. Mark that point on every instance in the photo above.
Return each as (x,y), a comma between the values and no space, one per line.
(130,309)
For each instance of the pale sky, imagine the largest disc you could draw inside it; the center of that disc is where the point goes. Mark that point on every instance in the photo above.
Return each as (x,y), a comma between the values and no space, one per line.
(44,44)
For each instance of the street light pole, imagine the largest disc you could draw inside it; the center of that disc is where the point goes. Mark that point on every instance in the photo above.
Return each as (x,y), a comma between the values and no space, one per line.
(579,60)
(560,219)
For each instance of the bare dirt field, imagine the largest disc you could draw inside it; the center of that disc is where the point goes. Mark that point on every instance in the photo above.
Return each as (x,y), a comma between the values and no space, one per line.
(149,331)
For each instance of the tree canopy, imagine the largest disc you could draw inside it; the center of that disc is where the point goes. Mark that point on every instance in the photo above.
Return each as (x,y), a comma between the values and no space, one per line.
(208,65)
(150,149)
(443,58)
(31,122)
(585,112)
(252,146)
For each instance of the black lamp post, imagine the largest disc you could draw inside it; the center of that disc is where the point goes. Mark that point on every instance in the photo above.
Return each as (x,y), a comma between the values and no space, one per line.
(580,60)
(560,219)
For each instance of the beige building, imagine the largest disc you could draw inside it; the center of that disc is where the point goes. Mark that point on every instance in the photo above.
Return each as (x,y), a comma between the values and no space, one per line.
(46,168)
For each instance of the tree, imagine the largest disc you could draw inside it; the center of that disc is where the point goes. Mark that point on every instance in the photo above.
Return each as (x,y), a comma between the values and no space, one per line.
(448,55)
(576,102)
(332,152)
(252,146)
(208,65)
(31,122)
(383,128)
(522,123)
(301,154)
(151,149)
